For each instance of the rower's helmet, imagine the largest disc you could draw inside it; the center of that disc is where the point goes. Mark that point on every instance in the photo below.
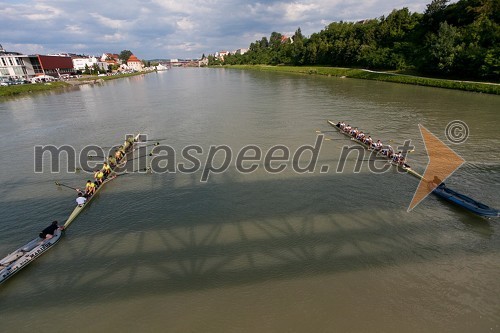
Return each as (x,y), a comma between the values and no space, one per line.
(88,181)
(54,223)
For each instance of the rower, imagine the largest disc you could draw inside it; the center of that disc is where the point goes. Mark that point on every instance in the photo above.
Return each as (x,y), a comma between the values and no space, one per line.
(390,151)
(126,145)
(80,200)
(89,189)
(369,141)
(377,145)
(338,124)
(360,136)
(98,176)
(387,151)
(112,161)
(402,160)
(48,232)
(106,169)
(119,154)
(347,128)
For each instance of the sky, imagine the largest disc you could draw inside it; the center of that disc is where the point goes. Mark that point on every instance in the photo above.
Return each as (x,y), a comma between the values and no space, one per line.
(165,29)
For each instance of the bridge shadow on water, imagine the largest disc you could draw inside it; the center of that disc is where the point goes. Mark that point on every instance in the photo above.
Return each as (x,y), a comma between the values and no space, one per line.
(172,239)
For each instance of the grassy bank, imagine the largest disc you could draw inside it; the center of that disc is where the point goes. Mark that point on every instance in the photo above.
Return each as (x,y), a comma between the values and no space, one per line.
(24,89)
(488,88)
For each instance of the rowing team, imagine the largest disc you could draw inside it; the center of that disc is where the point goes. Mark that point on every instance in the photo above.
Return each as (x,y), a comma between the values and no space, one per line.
(388,151)
(100,175)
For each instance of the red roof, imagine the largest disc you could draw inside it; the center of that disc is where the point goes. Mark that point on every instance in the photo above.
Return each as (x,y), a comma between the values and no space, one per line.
(133,58)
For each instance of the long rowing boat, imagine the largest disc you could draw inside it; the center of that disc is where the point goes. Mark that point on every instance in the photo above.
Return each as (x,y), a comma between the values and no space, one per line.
(401,167)
(20,258)
(24,255)
(441,191)
(78,209)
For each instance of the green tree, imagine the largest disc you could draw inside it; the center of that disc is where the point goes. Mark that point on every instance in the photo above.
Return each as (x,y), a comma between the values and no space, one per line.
(435,13)
(124,55)
(444,47)
(298,49)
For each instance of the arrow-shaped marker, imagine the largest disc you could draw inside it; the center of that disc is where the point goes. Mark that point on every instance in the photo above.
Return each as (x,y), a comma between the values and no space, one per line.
(442,163)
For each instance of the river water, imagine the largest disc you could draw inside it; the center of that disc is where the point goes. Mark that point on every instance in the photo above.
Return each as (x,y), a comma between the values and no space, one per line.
(254,252)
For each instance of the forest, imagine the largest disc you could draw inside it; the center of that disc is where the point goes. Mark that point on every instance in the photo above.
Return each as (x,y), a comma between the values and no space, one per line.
(453,40)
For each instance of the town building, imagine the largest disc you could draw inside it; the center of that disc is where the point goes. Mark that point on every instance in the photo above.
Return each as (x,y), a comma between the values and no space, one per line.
(134,63)
(241,51)
(14,65)
(83,63)
(111,58)
(51,65)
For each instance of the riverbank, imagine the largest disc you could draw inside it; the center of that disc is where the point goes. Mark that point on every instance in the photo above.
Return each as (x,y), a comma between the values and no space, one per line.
(24,89)
(481,87)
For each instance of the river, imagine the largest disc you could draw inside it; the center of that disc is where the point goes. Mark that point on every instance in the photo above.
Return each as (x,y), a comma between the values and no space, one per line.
(251,252)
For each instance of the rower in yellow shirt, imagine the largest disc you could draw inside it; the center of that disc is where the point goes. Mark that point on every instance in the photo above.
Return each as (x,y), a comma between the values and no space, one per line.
(99,176)
(89,189)
(106,169)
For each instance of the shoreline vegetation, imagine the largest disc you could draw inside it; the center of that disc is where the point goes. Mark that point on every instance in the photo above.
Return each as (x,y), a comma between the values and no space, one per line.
(450,45)
(30,88)
(395,77)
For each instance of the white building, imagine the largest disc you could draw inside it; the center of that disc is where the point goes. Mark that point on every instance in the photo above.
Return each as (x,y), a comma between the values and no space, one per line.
(80,64)
(134,63)
(15,65)
(241,51)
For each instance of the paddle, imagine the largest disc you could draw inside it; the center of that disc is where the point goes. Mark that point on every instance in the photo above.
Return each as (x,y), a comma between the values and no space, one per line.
(135,171)
(157,140)
(408,151)
(73,188)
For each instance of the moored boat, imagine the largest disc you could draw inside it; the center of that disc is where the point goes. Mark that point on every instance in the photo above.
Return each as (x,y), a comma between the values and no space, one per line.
(24,255)
(466,202)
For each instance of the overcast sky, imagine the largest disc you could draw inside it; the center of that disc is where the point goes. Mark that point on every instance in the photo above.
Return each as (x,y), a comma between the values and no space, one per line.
(171,28)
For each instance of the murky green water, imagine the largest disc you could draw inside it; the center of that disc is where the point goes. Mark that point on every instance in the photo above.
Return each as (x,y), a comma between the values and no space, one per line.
(259,252)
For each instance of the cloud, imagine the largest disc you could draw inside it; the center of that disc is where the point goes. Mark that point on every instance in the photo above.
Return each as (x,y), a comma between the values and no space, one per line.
(74,29)
(116,37)
(109,22)
(186,24)
(35,12)
(172,28)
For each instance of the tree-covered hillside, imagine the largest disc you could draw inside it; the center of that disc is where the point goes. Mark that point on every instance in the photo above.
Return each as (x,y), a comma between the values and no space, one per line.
(461,39)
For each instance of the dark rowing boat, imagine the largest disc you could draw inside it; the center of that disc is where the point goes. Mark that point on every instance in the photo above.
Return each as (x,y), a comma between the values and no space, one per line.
(466,202)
